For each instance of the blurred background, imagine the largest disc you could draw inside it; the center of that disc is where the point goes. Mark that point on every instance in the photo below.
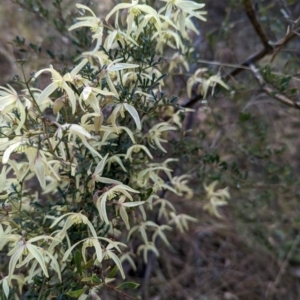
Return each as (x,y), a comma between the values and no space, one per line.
(244,138)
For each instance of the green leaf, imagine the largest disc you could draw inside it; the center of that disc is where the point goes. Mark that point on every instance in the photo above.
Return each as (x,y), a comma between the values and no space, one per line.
(284,83)
(75,294)
(89,264)
(243,117)
(86,279)
(128,285)
(51,54)
(78,260)
(223,165)
(96,279)
(147,194)
(113,272)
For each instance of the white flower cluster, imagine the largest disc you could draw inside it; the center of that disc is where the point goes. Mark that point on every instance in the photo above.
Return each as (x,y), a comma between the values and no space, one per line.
(96,153)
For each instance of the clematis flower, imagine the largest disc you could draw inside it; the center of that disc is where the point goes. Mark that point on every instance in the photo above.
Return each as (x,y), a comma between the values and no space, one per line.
(167,37)
(165,207)
(127,257)
(134,9)
(181,187)
(89,96)
(115,159)
(6,285)
(73,218)
(31,251)
(11,100)
(154,135)
(101,56)
(121,208)
(141,228)
(76,130)
(190,8)
(61,83)
(159,232)
(7,236)
(110,72)
(116,35)
(119,110)
(216,198)
(87,243)
(136,149)
(93,22)
(10,146)
(181,221)
(96,176)
(111,193)
(150,246)
(109,254)
(204,82)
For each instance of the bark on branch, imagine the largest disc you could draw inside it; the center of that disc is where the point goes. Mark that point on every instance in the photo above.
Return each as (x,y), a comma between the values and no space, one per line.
(255,57)
(272,91)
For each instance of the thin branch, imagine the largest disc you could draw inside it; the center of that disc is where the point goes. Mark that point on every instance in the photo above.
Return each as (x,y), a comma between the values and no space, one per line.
(285,8)
(282,267)
(262,53)
(250,60)
(256,25)
(272,92)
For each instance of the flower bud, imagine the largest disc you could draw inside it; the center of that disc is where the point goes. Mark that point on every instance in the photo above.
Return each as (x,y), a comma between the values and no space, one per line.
(58,104)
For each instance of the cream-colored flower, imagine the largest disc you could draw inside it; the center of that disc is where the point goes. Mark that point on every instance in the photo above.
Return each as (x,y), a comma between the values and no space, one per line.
(159,233)
(128,257)
(110,194)
(75,130)
(87,243)
(181,187)
(216,198)
(185,7)
(10,146)
(61,83)
(150,246)
(110,72)
(97,175)
(10,100)
(32,252)
(137,149)
(89,97)
(204,82)
(166,37)
(119,110)
(154,135)
(93,22)
(108,253)
(134,9)
(73,218)
(181,221)
(116,35)
(141,228)
(6,284)
(121,208)
(7,235)
(165,207)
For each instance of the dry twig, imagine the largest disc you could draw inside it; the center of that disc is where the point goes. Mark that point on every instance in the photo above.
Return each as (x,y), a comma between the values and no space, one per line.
(271,91)
(253,58)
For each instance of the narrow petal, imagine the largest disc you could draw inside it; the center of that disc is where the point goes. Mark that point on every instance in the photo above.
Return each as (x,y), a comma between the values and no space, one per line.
(9,151)
(79,67)
(13,261)
(47,91)
(117,7)
(40,171)
(134,115)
